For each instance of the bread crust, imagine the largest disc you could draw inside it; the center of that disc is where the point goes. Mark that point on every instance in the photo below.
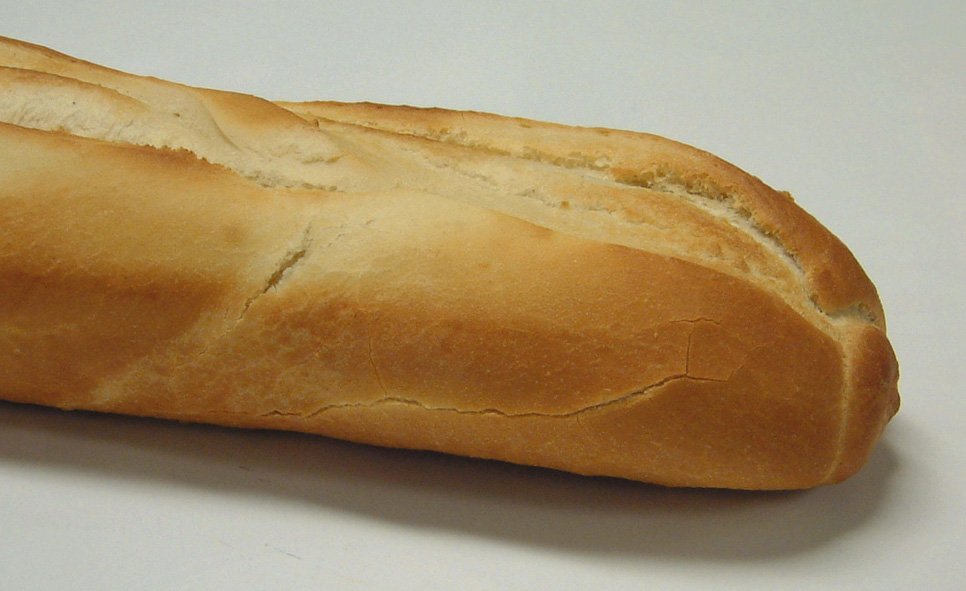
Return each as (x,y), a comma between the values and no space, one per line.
(596,301)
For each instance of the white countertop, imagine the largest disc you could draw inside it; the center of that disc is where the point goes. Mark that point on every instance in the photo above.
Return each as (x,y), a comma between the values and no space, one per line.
(859,112)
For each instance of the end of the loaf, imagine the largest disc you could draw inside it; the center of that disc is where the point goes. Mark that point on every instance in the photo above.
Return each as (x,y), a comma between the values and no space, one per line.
(871,402)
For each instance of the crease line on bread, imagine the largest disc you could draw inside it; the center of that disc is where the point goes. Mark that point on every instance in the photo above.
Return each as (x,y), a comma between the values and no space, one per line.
(282,269)
(845,417)
(372,361)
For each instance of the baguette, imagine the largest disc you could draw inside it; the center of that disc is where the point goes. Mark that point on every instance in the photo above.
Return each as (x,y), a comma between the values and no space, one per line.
(596,301)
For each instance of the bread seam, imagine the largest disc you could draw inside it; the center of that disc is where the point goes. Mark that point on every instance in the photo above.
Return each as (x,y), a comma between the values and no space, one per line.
(665,181)
(242,160)
(743,223)
(670,183)
(845,401)
(548,201)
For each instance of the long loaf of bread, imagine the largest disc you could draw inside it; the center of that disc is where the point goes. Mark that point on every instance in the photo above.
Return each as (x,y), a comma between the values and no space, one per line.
(590,300)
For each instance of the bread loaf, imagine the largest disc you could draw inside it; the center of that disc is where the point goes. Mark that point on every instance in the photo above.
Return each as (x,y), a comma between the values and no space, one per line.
(590,300)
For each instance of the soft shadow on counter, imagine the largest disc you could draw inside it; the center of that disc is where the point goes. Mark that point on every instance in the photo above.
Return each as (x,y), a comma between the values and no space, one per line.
(433,491)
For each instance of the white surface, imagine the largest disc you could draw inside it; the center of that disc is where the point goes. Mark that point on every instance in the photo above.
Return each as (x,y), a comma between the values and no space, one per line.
(858,111)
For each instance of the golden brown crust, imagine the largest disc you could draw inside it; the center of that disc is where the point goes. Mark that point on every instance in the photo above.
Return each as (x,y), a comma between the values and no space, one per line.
(589,300)
(98,269)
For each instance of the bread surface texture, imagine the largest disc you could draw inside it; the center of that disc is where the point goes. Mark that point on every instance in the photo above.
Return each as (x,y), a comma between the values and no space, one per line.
(590,300)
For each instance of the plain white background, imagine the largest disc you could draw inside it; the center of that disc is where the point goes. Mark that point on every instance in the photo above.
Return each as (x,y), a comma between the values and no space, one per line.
(856,108)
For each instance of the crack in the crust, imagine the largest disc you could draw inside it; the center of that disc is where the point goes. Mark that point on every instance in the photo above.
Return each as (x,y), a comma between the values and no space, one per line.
(635,394)
(638,393)
(687,353)
(282,269)
(279,413)
(695,320)
(388,399)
